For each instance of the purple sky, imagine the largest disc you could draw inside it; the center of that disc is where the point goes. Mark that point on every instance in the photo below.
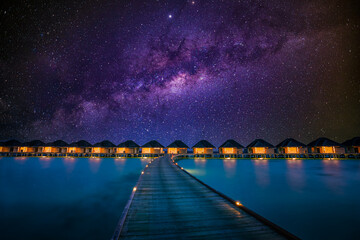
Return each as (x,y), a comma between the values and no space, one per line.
(214,70)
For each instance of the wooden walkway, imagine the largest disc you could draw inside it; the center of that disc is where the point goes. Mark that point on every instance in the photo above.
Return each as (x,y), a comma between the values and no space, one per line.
(169,203)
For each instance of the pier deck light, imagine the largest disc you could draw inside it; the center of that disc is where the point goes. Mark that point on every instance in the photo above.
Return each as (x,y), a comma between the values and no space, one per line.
(134,189)
(238,203)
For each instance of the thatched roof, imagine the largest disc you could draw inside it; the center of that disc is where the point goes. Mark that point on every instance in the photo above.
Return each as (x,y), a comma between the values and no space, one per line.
(105,143)
(203,144)
(34,143)
(260,143)
(352,142)
(58,143)
(81,143)
(152,144)
(290,142)
(12,143)
(178,144)
(129,144)
(231,144)
(323,142)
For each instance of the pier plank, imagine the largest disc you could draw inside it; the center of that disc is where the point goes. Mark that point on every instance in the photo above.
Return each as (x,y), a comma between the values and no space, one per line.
(170,204)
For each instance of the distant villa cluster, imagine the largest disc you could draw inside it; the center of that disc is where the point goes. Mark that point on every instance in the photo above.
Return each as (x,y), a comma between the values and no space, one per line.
(258,146)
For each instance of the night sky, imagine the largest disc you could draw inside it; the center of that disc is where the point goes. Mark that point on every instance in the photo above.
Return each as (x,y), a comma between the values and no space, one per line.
(173,69)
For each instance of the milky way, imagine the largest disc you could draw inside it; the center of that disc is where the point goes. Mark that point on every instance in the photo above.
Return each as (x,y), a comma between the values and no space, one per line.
(185,70)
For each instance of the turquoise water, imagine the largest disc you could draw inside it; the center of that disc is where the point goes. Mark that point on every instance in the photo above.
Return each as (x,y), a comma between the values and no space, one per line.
(313,199)
(60,198)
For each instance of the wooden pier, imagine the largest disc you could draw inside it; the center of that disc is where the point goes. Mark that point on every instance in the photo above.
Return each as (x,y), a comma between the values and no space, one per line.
(170,203)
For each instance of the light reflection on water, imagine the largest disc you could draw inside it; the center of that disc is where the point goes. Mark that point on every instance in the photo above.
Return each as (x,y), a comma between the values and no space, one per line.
(230,167)
(64,198)
(261,171)
(69,164)
(335,182)
(95,164)
(314,199)
(295,174)
(45,162)
(200,162)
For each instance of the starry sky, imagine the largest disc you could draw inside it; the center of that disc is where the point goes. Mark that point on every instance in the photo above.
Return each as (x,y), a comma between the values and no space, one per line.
(174,69)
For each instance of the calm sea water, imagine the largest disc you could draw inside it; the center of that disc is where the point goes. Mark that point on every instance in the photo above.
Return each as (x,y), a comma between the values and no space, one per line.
(59,198)
(313,199)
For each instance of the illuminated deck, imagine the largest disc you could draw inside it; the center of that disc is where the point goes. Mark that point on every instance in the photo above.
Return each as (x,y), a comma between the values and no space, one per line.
(169,203)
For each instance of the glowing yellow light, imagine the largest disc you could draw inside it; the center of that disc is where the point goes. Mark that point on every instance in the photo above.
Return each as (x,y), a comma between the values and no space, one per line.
(261,158)
(147,165)
(182,168)
(134,189)
(142,172)
(238,203)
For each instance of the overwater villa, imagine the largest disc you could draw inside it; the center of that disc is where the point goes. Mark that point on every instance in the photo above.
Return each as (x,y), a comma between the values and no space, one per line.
(12,146)
(35,146)
(260,146)
(152,147)
(128,147)
(9,146)
(203,147)
(104,147)
(231,147)
(58,146)
(325,145)
(3,148)
(291,146)
(177,147)
(352,145)
(81,146)
(319,147)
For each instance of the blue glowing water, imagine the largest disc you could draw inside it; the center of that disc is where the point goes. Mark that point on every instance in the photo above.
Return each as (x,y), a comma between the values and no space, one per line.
(59,198)
(313,199)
